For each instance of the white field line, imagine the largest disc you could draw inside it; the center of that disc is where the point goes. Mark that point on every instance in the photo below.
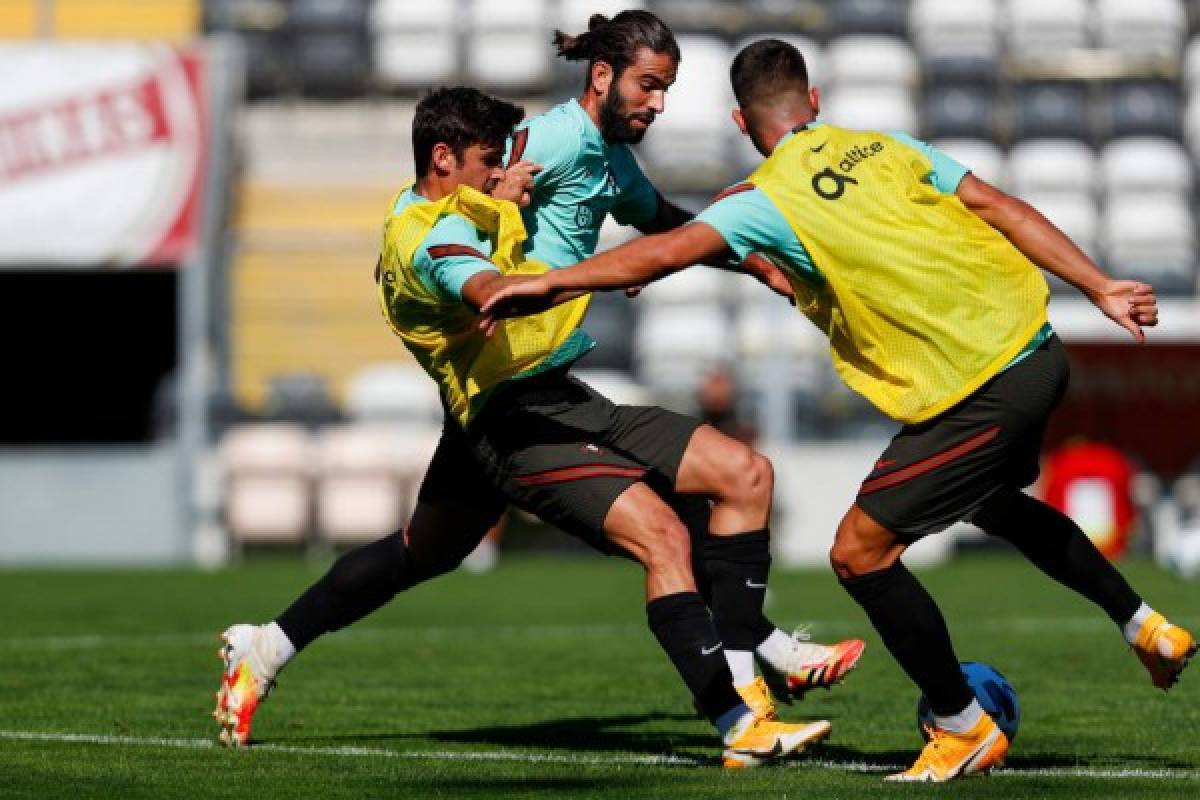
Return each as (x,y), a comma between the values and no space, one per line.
(610,759)
(1017,625)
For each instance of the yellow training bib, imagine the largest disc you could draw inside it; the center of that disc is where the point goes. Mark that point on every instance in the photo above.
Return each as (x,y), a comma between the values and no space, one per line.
(444,335)
(923,301)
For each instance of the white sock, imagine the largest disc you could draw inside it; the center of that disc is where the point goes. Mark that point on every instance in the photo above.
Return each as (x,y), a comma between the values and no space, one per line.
(963,721)
(1135,623)
(733,722)
(741,664)
(282,651)
(776,650)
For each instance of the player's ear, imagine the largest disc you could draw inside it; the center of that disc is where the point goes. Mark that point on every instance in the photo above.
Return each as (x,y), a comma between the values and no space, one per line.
(739,119)
(443,158)
(602,76)
(814,99)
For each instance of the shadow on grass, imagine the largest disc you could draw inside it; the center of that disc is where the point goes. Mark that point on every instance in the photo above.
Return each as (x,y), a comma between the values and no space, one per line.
(603,734)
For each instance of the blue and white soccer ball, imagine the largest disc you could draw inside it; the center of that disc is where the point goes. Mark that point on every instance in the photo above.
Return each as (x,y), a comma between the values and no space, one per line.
(994,693)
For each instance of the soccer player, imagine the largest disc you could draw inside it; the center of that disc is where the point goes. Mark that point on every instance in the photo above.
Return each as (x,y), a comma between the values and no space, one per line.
(520,430)
(588,172)
(925,280)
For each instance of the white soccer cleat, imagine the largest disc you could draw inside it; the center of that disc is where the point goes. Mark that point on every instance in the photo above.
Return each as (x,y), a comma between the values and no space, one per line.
(811,665)
(245,682)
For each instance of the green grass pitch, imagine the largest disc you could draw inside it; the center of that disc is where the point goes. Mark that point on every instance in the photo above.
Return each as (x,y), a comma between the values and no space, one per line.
(541,680)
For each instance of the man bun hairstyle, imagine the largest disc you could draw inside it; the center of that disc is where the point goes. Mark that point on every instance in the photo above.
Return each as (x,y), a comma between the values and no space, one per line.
(766,67)
(616,41)
(460,116)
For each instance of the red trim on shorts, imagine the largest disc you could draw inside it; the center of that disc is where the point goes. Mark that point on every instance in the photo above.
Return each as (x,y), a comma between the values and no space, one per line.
(579,472)
(447,250)
(737,188)
(930,463)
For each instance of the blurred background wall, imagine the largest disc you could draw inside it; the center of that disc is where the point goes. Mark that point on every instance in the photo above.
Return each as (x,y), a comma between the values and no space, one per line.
(190,200)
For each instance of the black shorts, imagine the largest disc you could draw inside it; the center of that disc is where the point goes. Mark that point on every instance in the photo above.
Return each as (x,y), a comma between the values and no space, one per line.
(553,446)
(938,472)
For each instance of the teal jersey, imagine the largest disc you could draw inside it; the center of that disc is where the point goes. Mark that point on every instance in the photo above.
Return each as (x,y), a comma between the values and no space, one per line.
(583,180)
(452,253)
(749,222)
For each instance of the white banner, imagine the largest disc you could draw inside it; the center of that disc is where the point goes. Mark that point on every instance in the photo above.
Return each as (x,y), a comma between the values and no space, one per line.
(101,154)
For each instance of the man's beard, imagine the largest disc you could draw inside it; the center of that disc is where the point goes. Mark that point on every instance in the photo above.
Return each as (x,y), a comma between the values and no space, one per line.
(616,125)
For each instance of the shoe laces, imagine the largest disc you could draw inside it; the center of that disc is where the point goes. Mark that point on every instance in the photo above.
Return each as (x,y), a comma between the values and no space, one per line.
(805,652)
(931,751)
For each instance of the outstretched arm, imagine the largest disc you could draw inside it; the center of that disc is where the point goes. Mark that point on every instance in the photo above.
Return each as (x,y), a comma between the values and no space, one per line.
(633,264)
(1130,304)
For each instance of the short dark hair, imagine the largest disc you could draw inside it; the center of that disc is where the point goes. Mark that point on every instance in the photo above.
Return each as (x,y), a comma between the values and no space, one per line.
(616,41)
(460,117)
(765,67)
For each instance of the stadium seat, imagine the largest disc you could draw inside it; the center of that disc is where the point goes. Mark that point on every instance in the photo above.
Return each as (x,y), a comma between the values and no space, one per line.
(958,112)
(573,15)
(1038,30)
(267,482)
(870,108)
(1051,165)
(261,27)
(1152,29)
(302,397)
(617,385)
(954,29)
(1152,238)
(869,16)
(1143,108)
(415,44)
(359,493)
(1191,66)
(1147,165)
(871,60)
(689,286)
(1052,110)
(949,69)
(329,43)
(701,16)
(981,156)
(1073,212)
(688,146)
(610,321)
(400,394)
(172,20)
(508,45)
(19,19)
(673,345)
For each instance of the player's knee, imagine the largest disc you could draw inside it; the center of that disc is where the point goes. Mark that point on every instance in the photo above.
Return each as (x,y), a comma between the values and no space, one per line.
(749,478)
(851,555)
(667,543)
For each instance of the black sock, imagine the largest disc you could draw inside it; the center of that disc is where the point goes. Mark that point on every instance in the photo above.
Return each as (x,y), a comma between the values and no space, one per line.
(358,583)
(684,629)
(736,567)
(914,632)
(1056,545)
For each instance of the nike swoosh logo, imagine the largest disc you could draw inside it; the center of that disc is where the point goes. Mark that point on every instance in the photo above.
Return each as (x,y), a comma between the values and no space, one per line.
(820,148)
(750,584)
(774,752)
(708,651)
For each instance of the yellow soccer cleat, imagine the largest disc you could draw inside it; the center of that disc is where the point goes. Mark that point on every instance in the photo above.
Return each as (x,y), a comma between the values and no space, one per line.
(1164,650)
(757,697)
(819,666)
(764,740)
(949,755)
(244,684)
